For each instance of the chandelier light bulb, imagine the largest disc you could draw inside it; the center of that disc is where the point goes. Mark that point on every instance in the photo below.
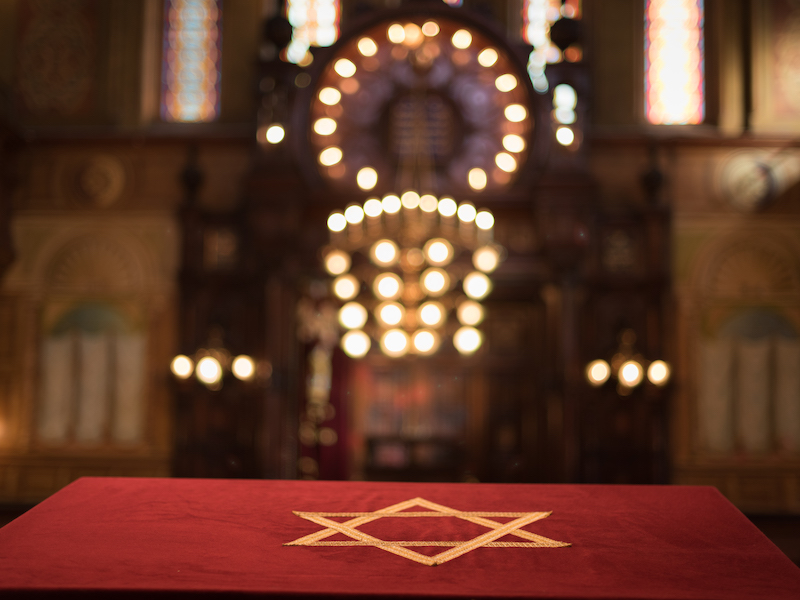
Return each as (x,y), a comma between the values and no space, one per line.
(337,222)
(324,126)
(435,281)
(631,373)
(486,259)
(182,366)
(367,178)
(330,156)
(658,372)
(410,199)
(396,33)
(597,372)
(484,220)
(330,96)
(425,341)
(354,214)
(430,28)
(505,83)
(428,203)
(467,212)
(355,343)
(391,204)
(352,316)
(462,39)
(477,178)
(438,252)
(470,312)
(477,285)
(275,134)
(390,313)
(243,367)
(337,262)
(384,253)
(394,342)
(467,340)
(413,35)
(367,46)
(431,313)
(387,286)
(506,162)
(565,136)
(447,207)
(515,113)
(513,143)
(487,57)
(344,68)
(208,371)
(373,207)
(346,287)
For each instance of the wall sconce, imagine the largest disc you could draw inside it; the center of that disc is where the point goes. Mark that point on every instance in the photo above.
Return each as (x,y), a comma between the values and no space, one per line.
(628,367)
(209,365)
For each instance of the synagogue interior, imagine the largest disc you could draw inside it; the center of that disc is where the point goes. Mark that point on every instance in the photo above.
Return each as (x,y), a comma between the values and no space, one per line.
(517,241)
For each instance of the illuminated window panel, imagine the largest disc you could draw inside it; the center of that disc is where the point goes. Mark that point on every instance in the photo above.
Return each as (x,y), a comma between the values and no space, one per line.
(190,85)
(674,62)
(314,23)
(453,2)
(537,17)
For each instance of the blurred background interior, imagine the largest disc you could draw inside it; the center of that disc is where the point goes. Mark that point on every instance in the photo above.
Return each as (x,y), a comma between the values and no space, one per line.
(613,186)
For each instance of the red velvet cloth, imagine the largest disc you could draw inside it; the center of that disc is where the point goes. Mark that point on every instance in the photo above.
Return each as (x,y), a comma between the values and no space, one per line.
(138,537)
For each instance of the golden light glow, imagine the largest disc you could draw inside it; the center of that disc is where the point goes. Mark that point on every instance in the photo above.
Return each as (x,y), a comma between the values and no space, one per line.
(396,33)
(208,370)
(330,156)
(394,342)
(467,340)
(487,57)
(438,252)
(387,286)
(431,313)
(346,287)
(435,281)
(467,212)
(410,199)
(505,83)
(330,96)
(243,367)
(477,285)
(384,253)
(477,178)
(355,343)
(337,262)
(486,259)
(373,207)
(515,113)
(658,372)
(337,222)
(428,203)
(367,178)
(275,134)
(462,39)
(470,312)
(430,28)
(484,220)
(367,46)
(182,366)
(413,35)
(352,316)
(390,313)
(597,372)
(506,162)
(513,143)
(631,373)
(324,126)
(391,204)
(344,68)
(565,136)
(425,341)
(354,214)
(447,207)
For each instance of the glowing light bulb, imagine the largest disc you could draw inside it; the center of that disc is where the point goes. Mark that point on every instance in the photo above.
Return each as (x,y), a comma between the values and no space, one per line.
(344,68)
(428,203)
(565,136)
(352,316)
(330,96)
(597,372)
(275,134)
(469,312)
(513,143)
(486,259)
(515,113)
(337,221)
(484,220)
(435,281)
(387,286)
(476,178)
(373,207)
(367,178)
(467,212)
(477,285)
(337,262)
(391,204)
(367,46)
(346,287)
(330,156)
(430,28)
(431,313)
(631,373)
(384,253)
(410,199)
(390,313)
(354,214)
(208,370)
(658,372)
(243,367)
(438,252)
(355,343)
(394,342)
(506,162)
(505,83)
(413,35)
(461,39)
(182,366)
(395,33)
(487,57)
(467,340)
(425,341)
(447,207)
(324,126)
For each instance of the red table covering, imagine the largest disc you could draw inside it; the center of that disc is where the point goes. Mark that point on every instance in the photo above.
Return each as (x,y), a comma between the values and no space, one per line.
(120,537)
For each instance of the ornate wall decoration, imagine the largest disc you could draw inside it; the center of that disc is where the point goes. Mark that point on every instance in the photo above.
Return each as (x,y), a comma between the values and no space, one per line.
(101,180)
(56,56)
(92,264)
(753,268)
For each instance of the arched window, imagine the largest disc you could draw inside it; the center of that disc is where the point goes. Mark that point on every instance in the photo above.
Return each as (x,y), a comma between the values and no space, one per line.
(191,65)
(674,71)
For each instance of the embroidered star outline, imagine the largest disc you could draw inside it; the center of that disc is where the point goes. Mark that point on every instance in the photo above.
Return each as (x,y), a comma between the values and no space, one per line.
(457,548)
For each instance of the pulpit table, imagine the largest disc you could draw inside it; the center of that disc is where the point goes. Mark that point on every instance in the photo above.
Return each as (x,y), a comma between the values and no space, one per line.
(165,538)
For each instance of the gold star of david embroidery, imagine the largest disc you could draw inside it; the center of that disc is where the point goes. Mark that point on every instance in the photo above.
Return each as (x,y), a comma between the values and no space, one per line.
(457,548)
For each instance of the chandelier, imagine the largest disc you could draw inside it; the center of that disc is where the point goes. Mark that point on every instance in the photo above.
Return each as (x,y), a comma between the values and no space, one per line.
(628,367)
(402,265)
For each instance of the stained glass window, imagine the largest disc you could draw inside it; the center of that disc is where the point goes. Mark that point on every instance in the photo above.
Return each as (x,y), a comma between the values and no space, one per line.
(315,23)
(674,62)
(190,76)
(537,17)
